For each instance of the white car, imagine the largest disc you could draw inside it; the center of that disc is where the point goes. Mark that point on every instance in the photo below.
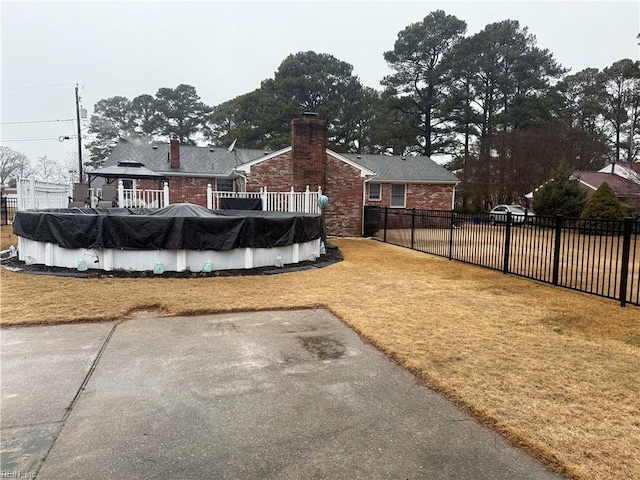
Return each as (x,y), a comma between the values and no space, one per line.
(519,214)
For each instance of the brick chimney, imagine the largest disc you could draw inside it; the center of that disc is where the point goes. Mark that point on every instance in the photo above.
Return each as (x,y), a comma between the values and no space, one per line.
(309,152)
(174,151)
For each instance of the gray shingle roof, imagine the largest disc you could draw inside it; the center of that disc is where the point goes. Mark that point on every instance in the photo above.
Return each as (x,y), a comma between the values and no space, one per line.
(218,161)
(210,161)
(393,168)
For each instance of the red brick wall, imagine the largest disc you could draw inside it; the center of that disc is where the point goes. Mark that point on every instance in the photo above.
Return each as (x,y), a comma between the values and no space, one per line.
(275,173)
(184,189)
(343,186)
(343,215)
(418,195)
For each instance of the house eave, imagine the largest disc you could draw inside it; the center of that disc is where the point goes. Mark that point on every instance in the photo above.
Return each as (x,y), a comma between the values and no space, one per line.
(198,175)
(420,182)
(364,172)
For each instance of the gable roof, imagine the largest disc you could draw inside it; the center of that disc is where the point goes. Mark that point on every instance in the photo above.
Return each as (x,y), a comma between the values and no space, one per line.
(363,170)
(194,161)
(622,187)
(630,170)
(219,162)
(394,168)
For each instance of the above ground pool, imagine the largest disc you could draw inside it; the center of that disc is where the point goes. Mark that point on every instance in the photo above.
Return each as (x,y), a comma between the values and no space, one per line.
(180,237)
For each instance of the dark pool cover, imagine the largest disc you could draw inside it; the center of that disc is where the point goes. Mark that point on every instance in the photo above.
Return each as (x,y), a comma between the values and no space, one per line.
(178,226)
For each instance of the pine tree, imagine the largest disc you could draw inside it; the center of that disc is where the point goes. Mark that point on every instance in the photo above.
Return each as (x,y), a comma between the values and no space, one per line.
(560,196)
(604,204)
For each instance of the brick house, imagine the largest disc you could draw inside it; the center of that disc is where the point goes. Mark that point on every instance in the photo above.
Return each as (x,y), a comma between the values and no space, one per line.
(350,181)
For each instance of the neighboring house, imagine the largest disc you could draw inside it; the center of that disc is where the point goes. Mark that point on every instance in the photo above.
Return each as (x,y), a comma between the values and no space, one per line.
(350,181)
(628,170)
(624,188)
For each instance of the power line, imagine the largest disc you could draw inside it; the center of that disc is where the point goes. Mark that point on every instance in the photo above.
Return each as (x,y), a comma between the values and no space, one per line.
(38,121)
(29,139)
(39,86)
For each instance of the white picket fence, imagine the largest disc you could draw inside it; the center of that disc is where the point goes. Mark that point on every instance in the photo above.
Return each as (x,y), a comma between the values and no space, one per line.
(290,201)
(36,194)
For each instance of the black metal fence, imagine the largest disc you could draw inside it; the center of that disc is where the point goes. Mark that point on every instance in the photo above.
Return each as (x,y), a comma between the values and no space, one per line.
(600,257)
(8,209)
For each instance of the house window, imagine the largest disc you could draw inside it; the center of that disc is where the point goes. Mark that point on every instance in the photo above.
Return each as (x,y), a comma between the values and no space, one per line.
(374,191)
(398,196)
(224,185)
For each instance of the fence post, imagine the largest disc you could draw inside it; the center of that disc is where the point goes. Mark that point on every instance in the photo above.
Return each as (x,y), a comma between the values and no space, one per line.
(624,271)
(265,198)
(556,250)
(453,216)
(507,244)
(413,228)
(121,194)
(292,207)
(166,194)
(307,192)
(209,195)
(386,211)
(21,194)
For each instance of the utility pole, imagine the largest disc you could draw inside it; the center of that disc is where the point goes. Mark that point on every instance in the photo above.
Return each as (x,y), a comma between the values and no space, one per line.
(79,136)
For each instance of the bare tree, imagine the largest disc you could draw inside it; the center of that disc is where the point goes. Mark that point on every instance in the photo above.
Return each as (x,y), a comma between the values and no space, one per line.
(12,164)
(50,170)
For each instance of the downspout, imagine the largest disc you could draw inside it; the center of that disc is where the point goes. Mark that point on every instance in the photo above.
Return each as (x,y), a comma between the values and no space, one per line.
(453,197)
(244,178)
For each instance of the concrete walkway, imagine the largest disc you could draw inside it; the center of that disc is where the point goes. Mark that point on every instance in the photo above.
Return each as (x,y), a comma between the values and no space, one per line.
(286,395)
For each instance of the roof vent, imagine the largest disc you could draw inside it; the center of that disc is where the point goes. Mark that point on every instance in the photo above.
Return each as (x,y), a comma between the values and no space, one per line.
(211,149)
(155,147)
(310,114)
(403,158)
(358,156)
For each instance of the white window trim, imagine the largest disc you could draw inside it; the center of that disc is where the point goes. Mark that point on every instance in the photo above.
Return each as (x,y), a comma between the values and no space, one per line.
(404,200)
(379,197)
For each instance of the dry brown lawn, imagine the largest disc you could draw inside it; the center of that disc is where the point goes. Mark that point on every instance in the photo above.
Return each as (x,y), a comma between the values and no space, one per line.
(554,370)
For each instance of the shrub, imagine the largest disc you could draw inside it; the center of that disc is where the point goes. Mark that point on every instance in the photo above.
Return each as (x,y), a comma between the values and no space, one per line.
(604,204)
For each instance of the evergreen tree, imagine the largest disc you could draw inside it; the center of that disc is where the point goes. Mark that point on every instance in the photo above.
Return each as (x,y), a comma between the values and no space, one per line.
(420,58)
(561,195)
(604,204)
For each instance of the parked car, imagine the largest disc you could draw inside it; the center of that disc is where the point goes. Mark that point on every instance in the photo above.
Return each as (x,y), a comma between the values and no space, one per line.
(519,214)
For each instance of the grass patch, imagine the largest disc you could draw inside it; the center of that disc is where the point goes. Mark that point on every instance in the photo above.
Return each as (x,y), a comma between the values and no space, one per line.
(7,238)
(570,399)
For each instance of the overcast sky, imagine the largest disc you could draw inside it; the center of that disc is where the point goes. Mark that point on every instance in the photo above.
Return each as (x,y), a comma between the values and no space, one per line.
(226,48)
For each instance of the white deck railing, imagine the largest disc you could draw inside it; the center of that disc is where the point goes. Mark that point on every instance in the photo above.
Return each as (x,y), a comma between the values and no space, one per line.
(133,197)
(35,194)
(291,201)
